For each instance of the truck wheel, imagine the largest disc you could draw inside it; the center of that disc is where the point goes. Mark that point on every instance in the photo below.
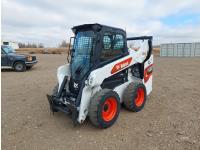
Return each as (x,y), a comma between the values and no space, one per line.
(19,66)
(104,108)
(135,96)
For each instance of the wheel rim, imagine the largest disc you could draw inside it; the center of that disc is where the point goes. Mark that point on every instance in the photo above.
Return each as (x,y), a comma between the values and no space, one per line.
(19,66)
(140,97)
(109,109)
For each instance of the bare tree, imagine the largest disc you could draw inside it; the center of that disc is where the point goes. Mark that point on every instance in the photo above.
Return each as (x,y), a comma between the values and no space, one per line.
(64,44)
(40,45)
(21,45)
(30,45)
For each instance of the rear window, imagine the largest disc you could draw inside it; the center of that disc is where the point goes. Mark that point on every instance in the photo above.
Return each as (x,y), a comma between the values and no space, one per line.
(113,45)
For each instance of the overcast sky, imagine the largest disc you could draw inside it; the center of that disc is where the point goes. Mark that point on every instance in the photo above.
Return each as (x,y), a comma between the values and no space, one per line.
(50,21)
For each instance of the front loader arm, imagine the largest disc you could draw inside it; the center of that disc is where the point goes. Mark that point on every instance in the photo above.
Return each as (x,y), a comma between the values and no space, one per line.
(63,71)
(149,38)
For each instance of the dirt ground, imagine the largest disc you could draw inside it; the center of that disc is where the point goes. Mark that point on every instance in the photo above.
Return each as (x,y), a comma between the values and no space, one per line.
(170,119)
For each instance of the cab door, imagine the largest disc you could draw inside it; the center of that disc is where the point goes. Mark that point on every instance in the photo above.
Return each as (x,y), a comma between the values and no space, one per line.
(148,74)
(4,58)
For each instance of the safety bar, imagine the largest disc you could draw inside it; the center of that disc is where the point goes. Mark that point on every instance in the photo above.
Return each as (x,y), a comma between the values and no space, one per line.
(149,38)
(140,38)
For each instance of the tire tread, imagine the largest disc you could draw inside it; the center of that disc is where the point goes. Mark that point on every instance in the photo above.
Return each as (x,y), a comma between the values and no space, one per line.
(94,106)
(129,93)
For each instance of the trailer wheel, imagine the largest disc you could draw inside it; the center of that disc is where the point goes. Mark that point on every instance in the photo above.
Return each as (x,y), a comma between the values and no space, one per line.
(135,96)
(104,108)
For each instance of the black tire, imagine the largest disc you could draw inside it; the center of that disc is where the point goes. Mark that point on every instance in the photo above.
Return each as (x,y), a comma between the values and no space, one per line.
(133,98)
(104,102)
(28,67)
(19,66)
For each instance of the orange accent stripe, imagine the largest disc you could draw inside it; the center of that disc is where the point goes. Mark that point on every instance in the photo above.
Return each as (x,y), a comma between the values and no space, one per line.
(148,72)
(119,66)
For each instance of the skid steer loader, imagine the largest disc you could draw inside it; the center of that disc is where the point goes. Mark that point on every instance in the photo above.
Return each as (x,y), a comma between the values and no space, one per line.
(103,73)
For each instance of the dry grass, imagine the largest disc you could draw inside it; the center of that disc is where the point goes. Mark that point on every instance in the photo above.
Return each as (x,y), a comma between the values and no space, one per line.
(156,51)
(42,50)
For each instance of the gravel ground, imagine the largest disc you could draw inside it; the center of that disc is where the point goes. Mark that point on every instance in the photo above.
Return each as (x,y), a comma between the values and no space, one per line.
(170,119)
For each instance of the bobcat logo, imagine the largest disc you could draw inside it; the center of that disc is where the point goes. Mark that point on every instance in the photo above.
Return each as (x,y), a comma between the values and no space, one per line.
(117,67)
(75,85)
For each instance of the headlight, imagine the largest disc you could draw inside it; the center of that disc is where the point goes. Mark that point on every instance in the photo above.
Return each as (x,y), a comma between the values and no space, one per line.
(29,58)
(91,80)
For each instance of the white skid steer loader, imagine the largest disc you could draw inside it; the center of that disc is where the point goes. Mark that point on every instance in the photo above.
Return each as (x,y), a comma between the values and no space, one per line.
(102,74)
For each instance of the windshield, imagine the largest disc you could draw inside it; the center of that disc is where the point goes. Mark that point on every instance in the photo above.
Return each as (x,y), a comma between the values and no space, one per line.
(8,49)
(81,53)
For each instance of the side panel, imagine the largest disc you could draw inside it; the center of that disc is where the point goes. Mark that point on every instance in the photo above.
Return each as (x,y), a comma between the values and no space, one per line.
(87,94)
(97,76)
(148,74)
(120,89)
(4,59)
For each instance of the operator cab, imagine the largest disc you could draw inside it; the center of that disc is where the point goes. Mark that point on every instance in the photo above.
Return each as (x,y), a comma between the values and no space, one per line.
(102,74)
(94,46)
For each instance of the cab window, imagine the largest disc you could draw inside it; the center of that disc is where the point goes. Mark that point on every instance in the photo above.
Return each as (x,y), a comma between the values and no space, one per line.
(113,45)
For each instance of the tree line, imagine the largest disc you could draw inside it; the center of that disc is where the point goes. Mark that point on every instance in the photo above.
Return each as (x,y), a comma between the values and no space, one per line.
(63,44)
(40,45)
(30,45)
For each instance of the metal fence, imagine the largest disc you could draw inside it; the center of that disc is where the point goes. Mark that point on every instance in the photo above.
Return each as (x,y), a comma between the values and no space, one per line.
(180,49)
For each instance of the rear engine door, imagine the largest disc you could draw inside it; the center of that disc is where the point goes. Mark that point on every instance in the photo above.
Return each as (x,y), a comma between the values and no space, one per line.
(148,74)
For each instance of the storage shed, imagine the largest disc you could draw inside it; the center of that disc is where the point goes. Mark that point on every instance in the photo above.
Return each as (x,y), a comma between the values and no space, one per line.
(14,45)
(180,49)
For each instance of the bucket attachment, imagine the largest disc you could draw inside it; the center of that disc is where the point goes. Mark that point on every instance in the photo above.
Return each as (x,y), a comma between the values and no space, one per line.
(55,106)
(51,103)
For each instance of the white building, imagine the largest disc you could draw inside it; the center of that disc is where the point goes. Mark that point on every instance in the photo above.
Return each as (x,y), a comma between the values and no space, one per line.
(14,45)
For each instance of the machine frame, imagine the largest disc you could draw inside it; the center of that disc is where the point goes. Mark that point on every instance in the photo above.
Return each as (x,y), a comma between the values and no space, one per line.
(93,81)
